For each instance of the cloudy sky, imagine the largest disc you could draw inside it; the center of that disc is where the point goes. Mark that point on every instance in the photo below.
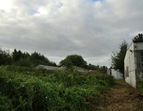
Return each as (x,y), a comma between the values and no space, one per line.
(57,28)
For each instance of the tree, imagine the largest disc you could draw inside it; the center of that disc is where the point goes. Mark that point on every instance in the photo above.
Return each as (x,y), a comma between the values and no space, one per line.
(117,58)
(103,69)
(37,59)
(91,67)
(5,58)
(17,55)
(74,60)
(138,38)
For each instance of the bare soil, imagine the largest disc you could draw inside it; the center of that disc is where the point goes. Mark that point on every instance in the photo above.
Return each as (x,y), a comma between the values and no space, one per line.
(123,97)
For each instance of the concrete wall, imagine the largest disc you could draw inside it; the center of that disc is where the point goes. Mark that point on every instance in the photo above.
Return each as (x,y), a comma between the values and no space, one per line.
(130,66)
(116,74)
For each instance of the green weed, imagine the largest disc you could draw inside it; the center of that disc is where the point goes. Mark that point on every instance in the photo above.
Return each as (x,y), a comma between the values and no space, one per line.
(29,89)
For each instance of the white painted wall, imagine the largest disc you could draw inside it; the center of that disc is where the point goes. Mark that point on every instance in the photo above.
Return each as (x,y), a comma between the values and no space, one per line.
(131,63)
(116,74)
(130,66)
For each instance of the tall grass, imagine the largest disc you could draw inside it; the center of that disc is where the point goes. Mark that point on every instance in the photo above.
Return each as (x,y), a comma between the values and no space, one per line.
(29,89)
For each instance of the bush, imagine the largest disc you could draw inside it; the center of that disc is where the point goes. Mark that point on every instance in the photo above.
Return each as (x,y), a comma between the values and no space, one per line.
(5,103)
(53,90)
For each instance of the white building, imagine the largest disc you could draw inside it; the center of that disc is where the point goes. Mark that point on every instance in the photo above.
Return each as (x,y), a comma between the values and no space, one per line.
(115,73)
(134,61)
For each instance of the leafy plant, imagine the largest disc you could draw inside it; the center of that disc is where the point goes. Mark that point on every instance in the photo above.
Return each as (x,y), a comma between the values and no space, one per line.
(51,90)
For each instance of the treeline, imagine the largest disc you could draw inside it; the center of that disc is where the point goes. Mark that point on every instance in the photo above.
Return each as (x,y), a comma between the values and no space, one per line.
(101,69)
(77,60)
(20,58)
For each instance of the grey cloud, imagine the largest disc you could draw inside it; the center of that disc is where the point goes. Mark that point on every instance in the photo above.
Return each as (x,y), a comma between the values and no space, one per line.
(58,28)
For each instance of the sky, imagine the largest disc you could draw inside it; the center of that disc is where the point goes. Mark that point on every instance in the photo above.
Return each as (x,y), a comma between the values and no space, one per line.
(93,29)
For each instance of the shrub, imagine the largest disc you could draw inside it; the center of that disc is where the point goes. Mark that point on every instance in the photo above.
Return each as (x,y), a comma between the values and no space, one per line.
(5,103)
(53,90)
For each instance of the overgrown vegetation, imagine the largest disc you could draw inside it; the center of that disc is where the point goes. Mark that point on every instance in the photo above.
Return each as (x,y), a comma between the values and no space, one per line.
(29,89)
(140,86)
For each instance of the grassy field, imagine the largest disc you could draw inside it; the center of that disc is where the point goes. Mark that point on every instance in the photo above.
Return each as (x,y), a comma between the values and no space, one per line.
(29,89)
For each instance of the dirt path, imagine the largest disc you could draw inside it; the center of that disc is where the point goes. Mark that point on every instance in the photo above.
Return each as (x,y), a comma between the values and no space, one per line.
(123,97)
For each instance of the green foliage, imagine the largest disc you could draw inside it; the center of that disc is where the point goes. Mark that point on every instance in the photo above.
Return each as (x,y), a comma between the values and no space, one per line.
(138,38)
(37,59)
(140,86)
(118,58)
(101,69)
(19,58)
(91,67)
(24,62)
(17,55)
(5,103)
(27,89)
(5,58)
(74,60)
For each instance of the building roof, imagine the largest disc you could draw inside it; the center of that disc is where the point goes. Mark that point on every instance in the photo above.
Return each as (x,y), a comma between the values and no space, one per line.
(79,69)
